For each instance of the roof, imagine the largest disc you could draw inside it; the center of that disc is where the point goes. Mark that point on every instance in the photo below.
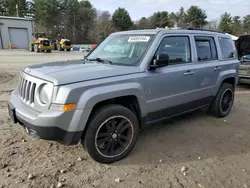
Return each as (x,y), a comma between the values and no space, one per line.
(16,18)
(232,36)
(144,31)
(174,31)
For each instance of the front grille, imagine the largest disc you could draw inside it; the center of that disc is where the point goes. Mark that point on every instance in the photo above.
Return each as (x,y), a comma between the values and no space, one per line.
(27,90)
(45,43)
(67,43)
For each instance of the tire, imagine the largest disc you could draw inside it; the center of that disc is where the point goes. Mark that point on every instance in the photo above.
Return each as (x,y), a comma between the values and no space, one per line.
(48,51)
(68,50)
(217,106)
(118,115)
(36,49)
(32,47)
(60,48)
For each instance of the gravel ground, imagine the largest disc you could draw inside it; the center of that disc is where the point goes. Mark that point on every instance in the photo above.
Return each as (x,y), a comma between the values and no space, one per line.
(196,150)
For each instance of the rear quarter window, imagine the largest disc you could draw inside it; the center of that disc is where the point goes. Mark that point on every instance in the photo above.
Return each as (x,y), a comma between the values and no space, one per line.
(227,48)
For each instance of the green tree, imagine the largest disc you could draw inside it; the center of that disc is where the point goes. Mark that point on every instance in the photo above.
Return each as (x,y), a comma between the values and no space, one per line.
(225,24)
(66,26)
(196,17)
(236,25)
(85,19)
(181,18)
(14,7)
(212,25)
(172,19)
(121,19)
(143,23)
(102,27)
(246,24)
(46,13)
(159,19)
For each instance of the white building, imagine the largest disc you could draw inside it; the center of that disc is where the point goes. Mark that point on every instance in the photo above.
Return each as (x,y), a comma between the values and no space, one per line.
(15,31)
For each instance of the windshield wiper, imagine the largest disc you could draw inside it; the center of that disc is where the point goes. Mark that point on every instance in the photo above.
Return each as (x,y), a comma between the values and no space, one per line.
(100,60)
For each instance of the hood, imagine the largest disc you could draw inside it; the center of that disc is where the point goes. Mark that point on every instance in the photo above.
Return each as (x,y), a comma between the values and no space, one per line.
(66,72)
(243,45)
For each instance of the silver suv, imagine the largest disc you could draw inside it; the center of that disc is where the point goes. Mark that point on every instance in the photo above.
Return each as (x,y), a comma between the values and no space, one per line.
(104,99)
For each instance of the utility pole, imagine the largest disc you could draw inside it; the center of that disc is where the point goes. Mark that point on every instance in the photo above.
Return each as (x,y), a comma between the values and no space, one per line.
(17,11)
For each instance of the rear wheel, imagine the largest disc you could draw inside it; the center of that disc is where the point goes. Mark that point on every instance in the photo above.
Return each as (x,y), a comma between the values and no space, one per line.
(112,133)
(224,100)
(68,50)
(48,51)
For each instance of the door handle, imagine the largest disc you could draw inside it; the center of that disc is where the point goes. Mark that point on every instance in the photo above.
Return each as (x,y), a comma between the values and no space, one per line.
(189,73)
(217,68)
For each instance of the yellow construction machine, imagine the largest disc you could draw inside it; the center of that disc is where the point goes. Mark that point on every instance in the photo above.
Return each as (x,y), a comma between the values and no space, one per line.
(40,43)
(63,44)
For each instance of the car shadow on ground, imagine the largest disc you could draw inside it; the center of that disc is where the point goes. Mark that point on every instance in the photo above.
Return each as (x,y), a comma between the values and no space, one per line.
(192,136)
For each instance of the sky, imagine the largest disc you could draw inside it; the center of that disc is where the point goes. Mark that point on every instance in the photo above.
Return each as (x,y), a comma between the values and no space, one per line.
(140,8)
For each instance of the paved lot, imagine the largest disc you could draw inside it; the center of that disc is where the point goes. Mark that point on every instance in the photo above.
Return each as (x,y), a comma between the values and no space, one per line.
(216,152)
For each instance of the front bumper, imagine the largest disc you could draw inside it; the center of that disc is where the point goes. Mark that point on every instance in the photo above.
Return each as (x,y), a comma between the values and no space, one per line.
(41,47)
(40,125)
(66,47)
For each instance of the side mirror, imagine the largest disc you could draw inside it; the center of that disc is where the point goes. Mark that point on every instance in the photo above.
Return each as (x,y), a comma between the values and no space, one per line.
(160,60)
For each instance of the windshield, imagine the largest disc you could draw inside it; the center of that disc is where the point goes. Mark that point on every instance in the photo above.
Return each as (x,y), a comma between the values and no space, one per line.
(124,49)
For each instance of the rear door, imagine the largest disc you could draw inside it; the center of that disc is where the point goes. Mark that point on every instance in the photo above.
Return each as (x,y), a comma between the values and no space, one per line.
(214,55)
(208,66)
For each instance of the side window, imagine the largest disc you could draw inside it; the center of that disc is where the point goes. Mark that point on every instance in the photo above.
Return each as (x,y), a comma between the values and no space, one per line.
(177,48)
(206,48)
(227,48)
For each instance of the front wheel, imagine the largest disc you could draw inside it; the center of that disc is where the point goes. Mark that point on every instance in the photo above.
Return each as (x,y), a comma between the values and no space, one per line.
(224,100)
(112,134)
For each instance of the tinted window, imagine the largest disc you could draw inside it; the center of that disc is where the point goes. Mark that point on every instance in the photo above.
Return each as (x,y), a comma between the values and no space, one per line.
(206,49)
(177,48)
(227,48)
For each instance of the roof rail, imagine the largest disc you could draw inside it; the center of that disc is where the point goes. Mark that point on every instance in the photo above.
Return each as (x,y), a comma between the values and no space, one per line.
(200,29)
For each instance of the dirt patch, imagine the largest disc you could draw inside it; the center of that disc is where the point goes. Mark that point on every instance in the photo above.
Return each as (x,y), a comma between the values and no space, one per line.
(5,77)
(6,91)
(3,104)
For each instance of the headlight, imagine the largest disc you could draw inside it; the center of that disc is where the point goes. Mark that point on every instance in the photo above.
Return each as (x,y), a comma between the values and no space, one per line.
(45,93)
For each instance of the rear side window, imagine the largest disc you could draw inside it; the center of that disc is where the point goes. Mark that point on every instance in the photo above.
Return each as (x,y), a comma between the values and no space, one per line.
(227,48)
(206,49)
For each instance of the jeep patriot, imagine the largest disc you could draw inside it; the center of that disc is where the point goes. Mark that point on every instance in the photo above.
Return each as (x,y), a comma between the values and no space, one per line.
(131,79)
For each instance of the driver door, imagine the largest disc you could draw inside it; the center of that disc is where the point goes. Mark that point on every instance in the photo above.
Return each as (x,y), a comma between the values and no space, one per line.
(169,88)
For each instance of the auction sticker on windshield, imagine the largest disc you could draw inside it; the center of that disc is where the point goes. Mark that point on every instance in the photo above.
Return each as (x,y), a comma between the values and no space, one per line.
(139,39)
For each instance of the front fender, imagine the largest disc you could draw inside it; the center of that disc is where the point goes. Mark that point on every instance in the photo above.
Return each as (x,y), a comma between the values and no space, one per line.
(95,95)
